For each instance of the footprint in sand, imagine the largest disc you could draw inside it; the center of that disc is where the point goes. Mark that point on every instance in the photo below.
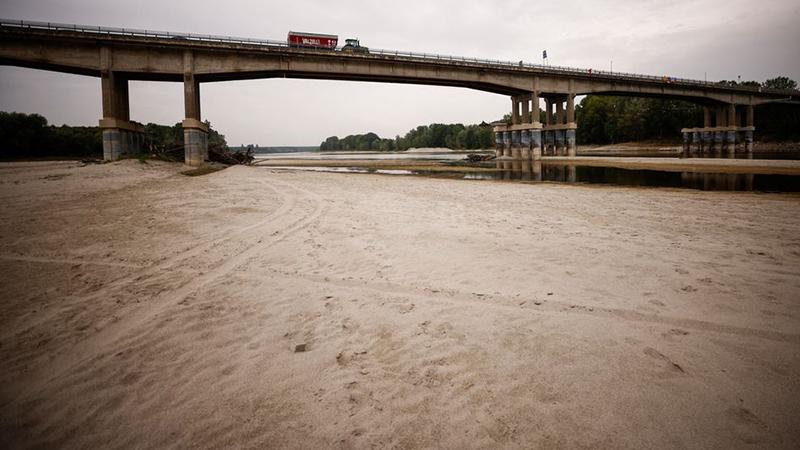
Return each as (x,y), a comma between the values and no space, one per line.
(406,308)
(674,332)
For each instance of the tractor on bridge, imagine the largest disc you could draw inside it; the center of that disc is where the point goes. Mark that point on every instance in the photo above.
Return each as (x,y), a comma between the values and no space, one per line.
(354,46)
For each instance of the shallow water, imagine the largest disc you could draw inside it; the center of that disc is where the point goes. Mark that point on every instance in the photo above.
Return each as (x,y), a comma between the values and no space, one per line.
(459,155)
(560,173)
(639,177)
(527,171)
(337,156)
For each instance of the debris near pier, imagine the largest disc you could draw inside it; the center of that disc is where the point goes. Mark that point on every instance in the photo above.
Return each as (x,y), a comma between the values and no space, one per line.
(479,157)
(225,156)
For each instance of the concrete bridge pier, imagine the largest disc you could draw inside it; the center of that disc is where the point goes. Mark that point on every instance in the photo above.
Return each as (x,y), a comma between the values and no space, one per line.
(730,133)
(698,144)
(719,141)
(686,143)
(560,128)
(499,144)
(525,137)
(572,149)
(748,142)
(705,141)
(536,143)
(561,149)
(705,136)
(549,139)
(549,143)
(516,145)
(727,135)
(121,137)
(749,129)
(522,138)
(195,132)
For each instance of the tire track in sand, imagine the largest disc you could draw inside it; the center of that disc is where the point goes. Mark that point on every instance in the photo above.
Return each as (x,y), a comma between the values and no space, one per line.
(103,342)
(551,307)
(171,262)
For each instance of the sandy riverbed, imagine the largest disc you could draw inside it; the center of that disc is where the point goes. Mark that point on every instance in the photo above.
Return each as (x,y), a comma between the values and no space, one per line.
(143,308)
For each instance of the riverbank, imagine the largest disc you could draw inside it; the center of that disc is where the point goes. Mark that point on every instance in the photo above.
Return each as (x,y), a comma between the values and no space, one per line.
(144,308)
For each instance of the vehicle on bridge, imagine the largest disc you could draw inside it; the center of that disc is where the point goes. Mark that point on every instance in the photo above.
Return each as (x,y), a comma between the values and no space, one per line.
(312,40)
(354,46)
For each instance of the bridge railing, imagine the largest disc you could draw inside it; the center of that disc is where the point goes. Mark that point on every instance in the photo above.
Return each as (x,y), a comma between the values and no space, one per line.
(426,57)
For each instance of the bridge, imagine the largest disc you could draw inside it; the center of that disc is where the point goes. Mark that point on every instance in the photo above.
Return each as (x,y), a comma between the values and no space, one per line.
(117,55)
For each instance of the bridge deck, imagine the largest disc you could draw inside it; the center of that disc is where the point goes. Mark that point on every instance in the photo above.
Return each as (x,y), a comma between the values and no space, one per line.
(194,40)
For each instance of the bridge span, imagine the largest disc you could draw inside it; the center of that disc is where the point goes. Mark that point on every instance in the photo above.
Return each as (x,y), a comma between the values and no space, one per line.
(117,55)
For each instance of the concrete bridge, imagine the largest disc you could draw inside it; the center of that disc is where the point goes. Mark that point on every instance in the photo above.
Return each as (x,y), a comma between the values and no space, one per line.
(117,55)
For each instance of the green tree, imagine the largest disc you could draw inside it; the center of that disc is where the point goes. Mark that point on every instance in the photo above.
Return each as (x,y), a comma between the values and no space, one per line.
(780,83)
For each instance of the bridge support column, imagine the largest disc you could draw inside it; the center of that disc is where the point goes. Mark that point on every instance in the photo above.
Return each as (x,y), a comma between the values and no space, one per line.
(686,143)
(498,142)
(195,142)
(730,133)
(719,140)
(525,137)
(572,149)
(514,110)
(195,132)
(749,129)
(561,149)
(516,150)
(560,143)
(536,144)
(559,112)
(721,116)
(549,140)
(526,114)
(549,143)
(708,140)
(121,137)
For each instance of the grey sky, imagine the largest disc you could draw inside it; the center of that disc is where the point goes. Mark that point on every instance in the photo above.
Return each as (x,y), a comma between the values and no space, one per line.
(687,38)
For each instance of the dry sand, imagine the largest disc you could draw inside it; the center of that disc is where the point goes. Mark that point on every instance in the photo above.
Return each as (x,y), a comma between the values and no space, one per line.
(142,308)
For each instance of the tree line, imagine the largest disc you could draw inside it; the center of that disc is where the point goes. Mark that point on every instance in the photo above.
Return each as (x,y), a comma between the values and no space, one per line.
(455,136)
(30,136)
(608,120)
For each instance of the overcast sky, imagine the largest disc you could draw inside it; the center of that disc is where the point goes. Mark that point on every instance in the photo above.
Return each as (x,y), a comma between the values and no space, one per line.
(720,39)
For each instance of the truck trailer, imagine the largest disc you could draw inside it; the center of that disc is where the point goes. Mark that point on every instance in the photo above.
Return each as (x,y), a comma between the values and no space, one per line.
(312,40)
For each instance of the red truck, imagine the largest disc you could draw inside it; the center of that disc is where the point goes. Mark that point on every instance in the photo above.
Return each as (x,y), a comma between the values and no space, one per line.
(312,40)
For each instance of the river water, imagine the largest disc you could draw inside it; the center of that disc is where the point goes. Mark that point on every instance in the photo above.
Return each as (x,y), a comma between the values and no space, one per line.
(532,172)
